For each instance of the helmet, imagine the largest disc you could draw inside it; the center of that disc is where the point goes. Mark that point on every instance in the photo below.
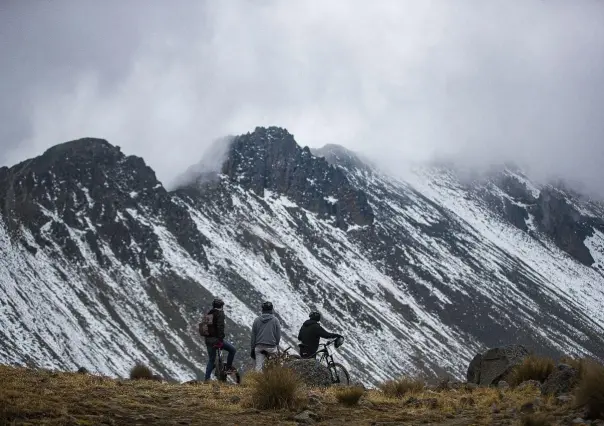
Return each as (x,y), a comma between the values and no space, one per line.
(315,316)
(217,303)
(267,307)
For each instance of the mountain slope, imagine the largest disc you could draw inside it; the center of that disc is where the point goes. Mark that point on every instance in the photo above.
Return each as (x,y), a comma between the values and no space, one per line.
(102,266)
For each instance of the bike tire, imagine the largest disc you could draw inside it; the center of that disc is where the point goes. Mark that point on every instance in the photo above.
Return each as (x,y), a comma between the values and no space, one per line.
(340,376)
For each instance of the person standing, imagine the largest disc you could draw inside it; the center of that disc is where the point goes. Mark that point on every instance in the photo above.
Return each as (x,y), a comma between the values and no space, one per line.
(310,335)
(212,328)
(266,335)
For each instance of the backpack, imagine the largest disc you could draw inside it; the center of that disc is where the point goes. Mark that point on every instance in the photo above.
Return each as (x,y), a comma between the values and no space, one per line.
(207,328)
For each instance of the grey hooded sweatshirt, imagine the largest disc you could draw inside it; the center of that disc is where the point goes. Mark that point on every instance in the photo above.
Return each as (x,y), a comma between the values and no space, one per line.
(266,330)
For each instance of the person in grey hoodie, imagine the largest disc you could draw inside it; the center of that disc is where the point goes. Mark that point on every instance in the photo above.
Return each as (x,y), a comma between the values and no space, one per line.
(266,335)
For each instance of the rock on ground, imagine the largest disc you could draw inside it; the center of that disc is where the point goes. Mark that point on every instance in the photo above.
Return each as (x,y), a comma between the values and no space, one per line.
(561,381)
(310,372)
(491,366)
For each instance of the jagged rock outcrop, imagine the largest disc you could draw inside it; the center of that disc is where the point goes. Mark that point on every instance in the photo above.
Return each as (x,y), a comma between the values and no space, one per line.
(270,159)
(88,189)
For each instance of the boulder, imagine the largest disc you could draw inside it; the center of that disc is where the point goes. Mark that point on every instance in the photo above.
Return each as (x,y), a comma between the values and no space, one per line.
(491,366)
(473,375)
(561,381)
(310,372)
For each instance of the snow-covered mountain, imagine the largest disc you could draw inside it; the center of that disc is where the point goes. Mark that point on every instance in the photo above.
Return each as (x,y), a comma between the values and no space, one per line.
(101,266)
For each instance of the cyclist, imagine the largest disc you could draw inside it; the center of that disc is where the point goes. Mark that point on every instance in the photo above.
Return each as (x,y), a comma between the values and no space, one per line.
(215,340)
(310,334)
(266,335)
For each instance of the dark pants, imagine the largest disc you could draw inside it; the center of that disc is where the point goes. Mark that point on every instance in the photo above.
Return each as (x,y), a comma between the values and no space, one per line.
(307,352)
(212,357)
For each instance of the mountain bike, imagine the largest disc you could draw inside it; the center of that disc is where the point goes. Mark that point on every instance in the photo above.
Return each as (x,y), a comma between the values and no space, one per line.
(279,357)
(221,373)
(339,374)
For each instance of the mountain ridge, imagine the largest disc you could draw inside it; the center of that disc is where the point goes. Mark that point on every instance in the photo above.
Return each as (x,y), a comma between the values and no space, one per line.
(415,263)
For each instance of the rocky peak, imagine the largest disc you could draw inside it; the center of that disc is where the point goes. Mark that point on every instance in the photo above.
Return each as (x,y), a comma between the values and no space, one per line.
(89,190)
(269,159)
(340,156)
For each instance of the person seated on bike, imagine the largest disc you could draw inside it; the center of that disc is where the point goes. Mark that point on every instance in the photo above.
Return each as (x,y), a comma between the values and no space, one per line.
(310,334)
(266,335)
(216,340)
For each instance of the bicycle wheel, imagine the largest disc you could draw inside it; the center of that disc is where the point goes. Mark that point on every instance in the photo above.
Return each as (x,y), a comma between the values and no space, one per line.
(233,378)
(339,375)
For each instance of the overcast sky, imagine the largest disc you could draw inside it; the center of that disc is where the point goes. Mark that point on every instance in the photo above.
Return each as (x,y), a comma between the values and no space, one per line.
(478,80)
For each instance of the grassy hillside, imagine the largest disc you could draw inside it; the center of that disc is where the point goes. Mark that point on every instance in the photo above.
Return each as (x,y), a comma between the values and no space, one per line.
(29,396)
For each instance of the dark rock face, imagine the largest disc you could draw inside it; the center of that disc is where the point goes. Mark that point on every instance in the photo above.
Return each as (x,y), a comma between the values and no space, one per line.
(490,367)
(553,213)
(270,159)
(564,225)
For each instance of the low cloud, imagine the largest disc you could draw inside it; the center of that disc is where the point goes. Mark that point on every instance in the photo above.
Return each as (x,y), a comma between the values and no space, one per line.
(479,82)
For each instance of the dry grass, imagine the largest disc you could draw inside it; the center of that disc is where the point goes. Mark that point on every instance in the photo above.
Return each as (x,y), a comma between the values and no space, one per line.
(590,392)
(539,419)
(141,372)
(350,396)
(402,386)
(532,368)
(276,388)
(30,396)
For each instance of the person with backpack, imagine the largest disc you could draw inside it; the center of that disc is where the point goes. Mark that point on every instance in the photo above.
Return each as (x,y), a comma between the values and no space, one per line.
(310,335)
(212,328)
(266,335)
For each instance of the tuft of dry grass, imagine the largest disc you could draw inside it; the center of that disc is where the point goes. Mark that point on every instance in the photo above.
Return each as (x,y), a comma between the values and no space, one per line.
(276,388)
(141,372)
(402,386)
(349,396)
(537,419)
(532,368)
(590,392)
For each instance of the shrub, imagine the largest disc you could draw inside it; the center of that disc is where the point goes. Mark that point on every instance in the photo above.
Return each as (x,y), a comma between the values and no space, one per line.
(399,387)
(532,368)
(249,378)
(590,392)
(277,387)
(538,419)
(350,396)
(141,372)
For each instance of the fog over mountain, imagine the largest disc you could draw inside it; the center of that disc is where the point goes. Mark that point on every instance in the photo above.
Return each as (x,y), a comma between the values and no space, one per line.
(479,82)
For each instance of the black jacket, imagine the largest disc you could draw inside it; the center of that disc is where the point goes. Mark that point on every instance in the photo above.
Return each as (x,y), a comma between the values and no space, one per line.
(310,334)
(217,331)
